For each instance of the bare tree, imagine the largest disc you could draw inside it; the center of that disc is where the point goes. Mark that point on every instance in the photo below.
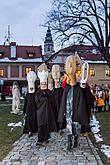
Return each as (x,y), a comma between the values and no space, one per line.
(82,20)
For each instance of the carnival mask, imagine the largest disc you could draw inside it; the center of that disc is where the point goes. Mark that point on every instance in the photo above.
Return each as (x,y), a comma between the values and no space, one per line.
(31,78)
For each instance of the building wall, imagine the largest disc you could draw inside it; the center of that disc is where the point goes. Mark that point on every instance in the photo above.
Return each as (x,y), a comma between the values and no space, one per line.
(16,71)
(100,76)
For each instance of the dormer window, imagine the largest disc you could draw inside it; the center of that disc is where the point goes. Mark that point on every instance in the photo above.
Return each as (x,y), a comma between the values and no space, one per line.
(1,53)
(13,51)
(31,55)
(94,51)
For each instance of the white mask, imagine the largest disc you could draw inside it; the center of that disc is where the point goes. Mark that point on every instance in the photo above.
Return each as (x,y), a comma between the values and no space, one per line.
(84,74)
(31,78)
(43,75)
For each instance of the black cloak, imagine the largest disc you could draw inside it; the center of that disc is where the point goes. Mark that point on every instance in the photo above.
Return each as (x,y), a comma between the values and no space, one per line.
(56,98)
(89,100)
(45,116)
(29,110)
(79,106)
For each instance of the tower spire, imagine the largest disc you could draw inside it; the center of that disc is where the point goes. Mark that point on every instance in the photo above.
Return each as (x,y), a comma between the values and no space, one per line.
(7,36)
(48,44)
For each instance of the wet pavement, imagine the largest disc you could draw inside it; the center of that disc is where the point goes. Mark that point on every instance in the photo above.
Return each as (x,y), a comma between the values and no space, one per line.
(25,152)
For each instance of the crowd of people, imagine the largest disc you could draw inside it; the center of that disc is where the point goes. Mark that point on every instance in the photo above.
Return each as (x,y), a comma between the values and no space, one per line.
(102,95)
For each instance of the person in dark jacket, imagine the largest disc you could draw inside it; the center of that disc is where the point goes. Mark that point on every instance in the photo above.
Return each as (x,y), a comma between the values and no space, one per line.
(29,108)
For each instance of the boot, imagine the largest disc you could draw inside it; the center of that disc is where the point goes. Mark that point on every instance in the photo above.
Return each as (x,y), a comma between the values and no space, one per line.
(76,132)
(30,134)
(69,142)
(75,141)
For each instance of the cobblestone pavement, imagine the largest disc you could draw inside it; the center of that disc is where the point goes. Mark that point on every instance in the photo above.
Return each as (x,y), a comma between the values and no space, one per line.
(25,152)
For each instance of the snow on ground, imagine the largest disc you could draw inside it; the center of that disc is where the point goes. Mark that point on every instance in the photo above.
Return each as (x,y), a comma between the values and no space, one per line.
(106,150)
(95,128)
(19,124)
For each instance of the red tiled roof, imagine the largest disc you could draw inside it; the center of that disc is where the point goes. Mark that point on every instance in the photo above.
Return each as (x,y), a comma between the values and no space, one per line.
(22,51)
(84,51)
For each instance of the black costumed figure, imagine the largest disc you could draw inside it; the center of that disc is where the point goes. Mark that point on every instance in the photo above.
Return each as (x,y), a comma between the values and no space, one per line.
(57,92)
(89,97)
(73,103)
(29,108)
(45,116)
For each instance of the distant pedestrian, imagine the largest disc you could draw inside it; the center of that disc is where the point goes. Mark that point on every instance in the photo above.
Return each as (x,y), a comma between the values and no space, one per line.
(3,98)
(15,98)
(100,100)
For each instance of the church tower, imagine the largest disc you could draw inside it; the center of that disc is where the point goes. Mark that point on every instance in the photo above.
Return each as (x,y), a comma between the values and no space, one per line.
(48,44)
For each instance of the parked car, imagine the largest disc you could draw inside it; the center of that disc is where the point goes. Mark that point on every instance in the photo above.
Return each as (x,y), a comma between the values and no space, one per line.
(7,91)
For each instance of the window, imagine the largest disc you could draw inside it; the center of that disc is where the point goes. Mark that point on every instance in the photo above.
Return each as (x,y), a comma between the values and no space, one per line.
(94,51)
(1,72)
(27,70)
(31,55)
(13,51)
(107,72)
(92,72)
(1,53)
(48,48)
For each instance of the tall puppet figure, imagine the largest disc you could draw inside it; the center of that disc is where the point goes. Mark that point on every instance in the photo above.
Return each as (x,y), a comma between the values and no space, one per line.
(15,98)
(73,102)
(45,116)
(89,97)
(29,109)
(57,91)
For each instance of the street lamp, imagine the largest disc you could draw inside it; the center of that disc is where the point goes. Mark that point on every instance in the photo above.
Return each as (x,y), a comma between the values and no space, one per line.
(1,84)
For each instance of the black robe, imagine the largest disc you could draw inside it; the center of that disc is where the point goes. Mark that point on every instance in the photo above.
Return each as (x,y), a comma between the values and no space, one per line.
(56,98)
(79,106)
(89,100)
(45,116)
(29,110)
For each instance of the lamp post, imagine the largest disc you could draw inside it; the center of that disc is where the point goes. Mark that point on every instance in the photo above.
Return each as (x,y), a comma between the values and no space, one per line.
(1,84)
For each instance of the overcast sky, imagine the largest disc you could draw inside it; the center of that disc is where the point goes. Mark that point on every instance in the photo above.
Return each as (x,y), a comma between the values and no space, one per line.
(24,18)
